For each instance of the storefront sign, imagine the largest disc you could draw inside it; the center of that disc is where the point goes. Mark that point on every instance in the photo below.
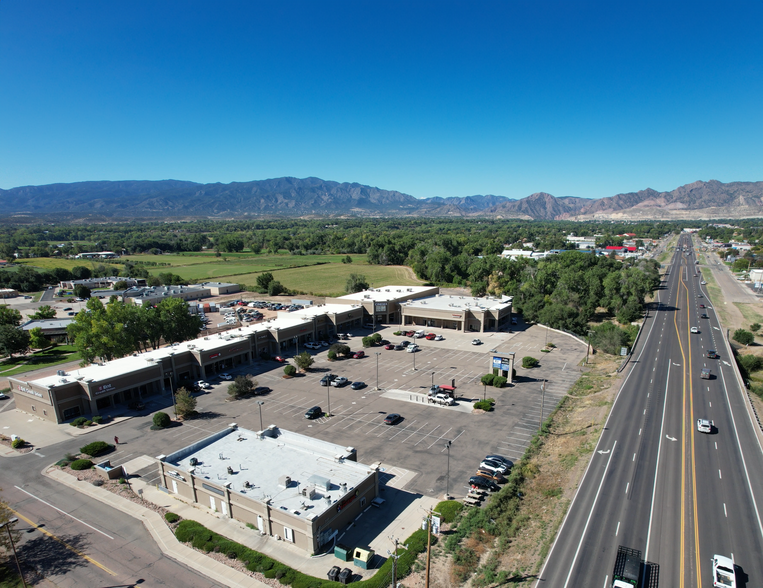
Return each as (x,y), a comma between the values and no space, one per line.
(29,391)
(458,316)
(104,388)
(380,307)
(214,355)
(501,363)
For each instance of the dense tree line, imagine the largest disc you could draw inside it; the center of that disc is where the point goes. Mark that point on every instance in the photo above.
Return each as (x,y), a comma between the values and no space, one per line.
(117,329)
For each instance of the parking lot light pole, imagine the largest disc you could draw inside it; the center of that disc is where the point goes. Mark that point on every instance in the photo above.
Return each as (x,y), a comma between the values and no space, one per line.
(328,393)
(447,476)
(432,379)
(377,370)
(260,403)
(7,525)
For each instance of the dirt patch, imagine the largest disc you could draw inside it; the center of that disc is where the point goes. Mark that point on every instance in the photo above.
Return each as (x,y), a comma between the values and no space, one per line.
(26,448)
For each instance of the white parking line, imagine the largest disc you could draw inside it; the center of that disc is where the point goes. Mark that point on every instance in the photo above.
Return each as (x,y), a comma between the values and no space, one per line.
(427,435)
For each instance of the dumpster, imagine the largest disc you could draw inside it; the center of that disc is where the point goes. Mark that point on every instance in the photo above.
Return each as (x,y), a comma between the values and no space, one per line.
(345,576)
(334,573)
(363,557)
(342,552)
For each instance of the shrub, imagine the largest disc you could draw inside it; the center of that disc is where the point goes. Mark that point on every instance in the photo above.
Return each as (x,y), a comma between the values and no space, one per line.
(122,480)
(484,405)
(449,510)
(62,463)
(87,423)
(397,333)
(95,448)
(499,381)
(743,337)
(81,464)
(366,341)
(529,362)
(97,420)
(16,443)
(161,420)
(290,370)
(171,517)
(751,363)
(487,379)
(78,422)
(331,354)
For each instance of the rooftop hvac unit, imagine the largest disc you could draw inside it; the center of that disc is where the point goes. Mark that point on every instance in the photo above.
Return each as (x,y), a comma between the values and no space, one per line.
(284,481)
(60,373)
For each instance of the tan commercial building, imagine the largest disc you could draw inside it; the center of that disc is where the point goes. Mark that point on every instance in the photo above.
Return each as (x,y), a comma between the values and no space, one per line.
(461,313)
(291,487)
(381,306)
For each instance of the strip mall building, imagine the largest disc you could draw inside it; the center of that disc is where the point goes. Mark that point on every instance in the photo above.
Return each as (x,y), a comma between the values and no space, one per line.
(95,389)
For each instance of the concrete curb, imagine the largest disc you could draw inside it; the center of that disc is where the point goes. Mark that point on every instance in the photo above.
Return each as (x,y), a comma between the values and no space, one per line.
(161,534)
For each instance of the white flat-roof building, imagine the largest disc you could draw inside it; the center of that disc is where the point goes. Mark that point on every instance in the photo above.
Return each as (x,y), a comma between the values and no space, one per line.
(290,486)
(382,305)
(462,313)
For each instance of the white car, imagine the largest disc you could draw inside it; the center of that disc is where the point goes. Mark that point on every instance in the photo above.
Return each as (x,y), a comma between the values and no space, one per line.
(311,345)
(476,342)
(703,282)
(339,382)
(694,330)
(444,399)
(493,466)
(412,348)
(439,338)
(203,385)
(225,376)
(723,572)
(704,426)
(3,396)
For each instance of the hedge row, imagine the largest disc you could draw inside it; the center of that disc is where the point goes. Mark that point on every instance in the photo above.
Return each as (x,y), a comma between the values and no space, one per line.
(200,537)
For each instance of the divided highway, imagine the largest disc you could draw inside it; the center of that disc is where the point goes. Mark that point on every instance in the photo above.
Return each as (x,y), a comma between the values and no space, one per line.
(657,484)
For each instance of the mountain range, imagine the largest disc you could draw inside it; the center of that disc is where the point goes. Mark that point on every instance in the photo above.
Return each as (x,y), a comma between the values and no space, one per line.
(313,197)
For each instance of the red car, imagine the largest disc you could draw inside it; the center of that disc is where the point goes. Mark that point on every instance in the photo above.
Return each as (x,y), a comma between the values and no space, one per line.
(389,346)
(358,354)
(280,359)
(430,336)
(410,333)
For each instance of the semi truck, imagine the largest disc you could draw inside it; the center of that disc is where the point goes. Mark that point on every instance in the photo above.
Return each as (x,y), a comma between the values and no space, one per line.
(627,572)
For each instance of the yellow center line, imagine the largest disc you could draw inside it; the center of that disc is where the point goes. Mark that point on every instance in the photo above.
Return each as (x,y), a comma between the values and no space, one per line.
(62,542)
(683,450)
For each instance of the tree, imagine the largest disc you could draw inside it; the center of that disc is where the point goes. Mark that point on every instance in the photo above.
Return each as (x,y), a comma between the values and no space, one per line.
(755,327)
(6,515)
(13,340)
(80,272)
(264,279)
(162,420)
(275,288)
(185,404)
(609,338)
(347,259)
(9,316)
(304,360)
(356,283)
(120,285)
(341,349)
(81,291)
(37,339)
(177,323)
(45,312)
(290,371)
(241,386)
(743,337)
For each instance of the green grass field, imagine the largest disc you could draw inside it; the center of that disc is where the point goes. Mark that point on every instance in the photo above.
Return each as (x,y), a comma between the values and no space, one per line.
(40,359)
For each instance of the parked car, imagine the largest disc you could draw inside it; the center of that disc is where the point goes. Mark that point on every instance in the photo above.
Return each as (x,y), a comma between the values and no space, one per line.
(439,338)
(339,382)
(430,336)
(405,342)
(443,399)
(497,477)
(389,346)
(476,342)
(202,385)
(4,396)
(484,483)
(514,320)
(67,308)
(493,465)
(262,390)
(413,348)
(136,405)
(358,354)
(400,347)
(392,418)
(358,385)
(410,333)
(280,359)
(311,345)
(501,459)
(327,379)
(314,412)
(226,376)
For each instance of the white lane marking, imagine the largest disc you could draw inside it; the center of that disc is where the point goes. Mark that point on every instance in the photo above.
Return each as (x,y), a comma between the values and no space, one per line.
(626,491)
(724,510)
(716,445)
(634,457)
(618,528)
(63,512)
(719,475)
(710,403)
(657,466)
(639,432)
(590,514)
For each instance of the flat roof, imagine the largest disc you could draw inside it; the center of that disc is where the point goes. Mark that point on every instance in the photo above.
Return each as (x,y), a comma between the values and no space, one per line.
(319,310)
(387,293)
(61,323)
(217,284)
(449,302)
(263,461)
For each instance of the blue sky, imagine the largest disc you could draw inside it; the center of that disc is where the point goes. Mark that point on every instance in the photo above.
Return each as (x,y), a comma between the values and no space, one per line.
(429,98)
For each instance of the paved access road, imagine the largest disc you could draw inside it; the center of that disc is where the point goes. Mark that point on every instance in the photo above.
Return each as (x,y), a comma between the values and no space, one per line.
(655,483)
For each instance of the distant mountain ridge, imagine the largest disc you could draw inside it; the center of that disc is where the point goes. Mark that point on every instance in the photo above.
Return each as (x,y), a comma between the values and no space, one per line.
(313,197)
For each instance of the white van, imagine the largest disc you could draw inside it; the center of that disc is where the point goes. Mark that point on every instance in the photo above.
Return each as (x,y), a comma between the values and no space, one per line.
(419,334)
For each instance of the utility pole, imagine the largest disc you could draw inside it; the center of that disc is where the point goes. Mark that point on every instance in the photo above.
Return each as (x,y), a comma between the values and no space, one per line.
(394,557)
(542,401)
(429,520)
(377,370)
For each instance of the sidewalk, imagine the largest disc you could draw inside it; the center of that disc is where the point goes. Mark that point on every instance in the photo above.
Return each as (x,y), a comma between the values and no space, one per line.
(318,566)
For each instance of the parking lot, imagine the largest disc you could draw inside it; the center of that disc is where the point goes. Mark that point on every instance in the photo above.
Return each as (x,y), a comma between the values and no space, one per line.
(413,452)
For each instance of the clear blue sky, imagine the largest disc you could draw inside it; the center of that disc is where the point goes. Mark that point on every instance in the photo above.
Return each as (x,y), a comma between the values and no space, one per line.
(429,98)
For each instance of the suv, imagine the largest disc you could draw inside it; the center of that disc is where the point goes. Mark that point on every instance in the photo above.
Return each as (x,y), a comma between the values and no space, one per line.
(314,412)
(491,475)
(358,354)
(484,483)
(327,379)
(443,399)
(494,466)
(723,572)
(705,374)
(712,354)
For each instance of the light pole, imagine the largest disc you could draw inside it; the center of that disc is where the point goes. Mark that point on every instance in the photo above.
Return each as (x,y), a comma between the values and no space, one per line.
(328,393)
(447,476)
(377,370)
(7,525)
(429,522)
(588,346)
(414,359)
(296,342)
(542,401)
(432,379)
(260,403)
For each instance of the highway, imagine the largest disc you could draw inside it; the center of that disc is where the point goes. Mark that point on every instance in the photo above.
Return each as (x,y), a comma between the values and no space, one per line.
(655,483)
